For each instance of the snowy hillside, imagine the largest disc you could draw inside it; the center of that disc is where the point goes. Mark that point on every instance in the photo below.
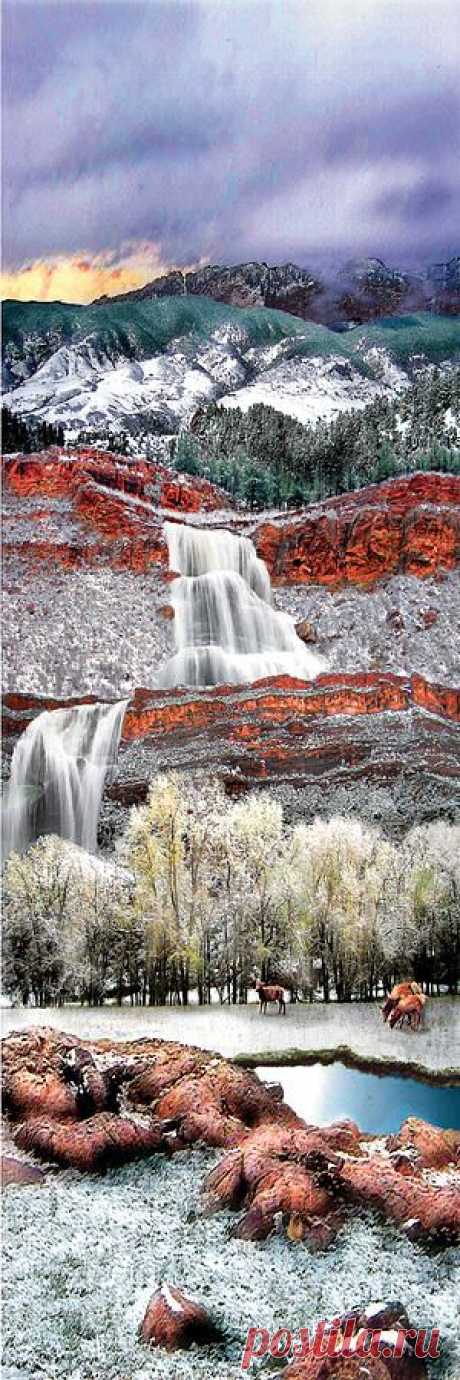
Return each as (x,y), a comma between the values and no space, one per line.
(310,389)
(148,366)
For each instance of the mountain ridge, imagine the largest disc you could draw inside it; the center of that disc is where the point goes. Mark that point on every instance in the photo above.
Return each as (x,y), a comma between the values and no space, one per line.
(362,290)
(145,367)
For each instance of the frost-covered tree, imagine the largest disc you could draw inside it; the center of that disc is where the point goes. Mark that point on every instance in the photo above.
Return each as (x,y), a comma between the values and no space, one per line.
(431,859)
(168,847)
(63,914)
(38,939)
(109,944)
(338,868)
(207,894)
(256,854)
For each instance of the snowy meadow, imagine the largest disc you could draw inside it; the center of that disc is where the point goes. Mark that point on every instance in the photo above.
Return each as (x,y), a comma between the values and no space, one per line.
(84,1254)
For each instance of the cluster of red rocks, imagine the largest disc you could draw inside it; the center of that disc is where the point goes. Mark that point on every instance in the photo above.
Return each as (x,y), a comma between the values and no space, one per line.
(310,1176)
(376,1341)
(95,1105)
(372,1343)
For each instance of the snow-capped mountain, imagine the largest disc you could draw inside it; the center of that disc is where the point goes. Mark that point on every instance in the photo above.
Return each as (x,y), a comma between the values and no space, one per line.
(363,289)
(147,366)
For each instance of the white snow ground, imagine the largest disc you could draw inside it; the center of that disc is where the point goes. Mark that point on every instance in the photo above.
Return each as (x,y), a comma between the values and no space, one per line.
(83,1254)
(238,1030)
(316,388)
(100,631)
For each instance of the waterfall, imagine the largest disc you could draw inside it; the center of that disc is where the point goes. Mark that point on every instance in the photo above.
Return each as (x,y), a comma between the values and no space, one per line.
(226,630)
(57,777)
(193,551)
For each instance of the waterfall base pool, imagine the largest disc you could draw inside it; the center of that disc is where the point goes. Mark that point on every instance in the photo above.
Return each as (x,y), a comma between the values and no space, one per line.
(379,1104)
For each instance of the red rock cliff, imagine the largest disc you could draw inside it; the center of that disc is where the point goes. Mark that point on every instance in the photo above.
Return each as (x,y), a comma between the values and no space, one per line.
(111,509)
(411,524)
(369,727)
(116,510)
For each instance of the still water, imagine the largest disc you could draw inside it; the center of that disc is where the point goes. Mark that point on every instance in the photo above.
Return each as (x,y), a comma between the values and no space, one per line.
(322,1094)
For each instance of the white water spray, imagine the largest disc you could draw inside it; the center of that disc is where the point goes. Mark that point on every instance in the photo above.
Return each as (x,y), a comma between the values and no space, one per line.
(226,630)
(58,772)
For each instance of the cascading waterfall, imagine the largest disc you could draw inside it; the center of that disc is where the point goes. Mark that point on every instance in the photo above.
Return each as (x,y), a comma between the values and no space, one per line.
(226,630)
(57,777)
(194,551)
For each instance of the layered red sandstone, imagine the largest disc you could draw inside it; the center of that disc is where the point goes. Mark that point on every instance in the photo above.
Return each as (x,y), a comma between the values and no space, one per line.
(242,712)
(57,473)
(365,728)
(117,506)
(409,525)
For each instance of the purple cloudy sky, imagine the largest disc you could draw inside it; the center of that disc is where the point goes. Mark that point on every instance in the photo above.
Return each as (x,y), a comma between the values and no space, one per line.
(270,129)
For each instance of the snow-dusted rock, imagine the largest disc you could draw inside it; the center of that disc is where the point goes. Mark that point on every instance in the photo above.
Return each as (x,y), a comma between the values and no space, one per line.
(431,1147)
(174,1321)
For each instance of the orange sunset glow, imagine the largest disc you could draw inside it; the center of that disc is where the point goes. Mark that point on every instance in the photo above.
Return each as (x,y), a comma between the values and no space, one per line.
(82,277)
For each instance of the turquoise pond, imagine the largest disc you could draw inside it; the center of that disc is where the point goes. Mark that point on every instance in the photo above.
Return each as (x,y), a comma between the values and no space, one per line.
(322,1094)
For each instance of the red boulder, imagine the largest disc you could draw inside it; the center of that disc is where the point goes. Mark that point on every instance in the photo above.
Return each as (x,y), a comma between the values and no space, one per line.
(174,1321)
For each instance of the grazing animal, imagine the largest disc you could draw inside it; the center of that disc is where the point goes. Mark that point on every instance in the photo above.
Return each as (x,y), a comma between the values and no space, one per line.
(410,1009)
(267,994)
(402,990)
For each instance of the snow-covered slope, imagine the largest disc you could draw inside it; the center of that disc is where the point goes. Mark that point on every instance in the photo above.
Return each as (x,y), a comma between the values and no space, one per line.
(309,389)
(148,366)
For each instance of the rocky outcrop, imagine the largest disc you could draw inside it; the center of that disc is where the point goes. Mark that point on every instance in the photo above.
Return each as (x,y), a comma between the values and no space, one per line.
(377,1342)
(365,290)
(418,1208)
(286,287)
(429,1146)
(306,631)
(239,712)
(374,729)
(339,1368)
(276,1190)
(103,1140)
(278,1173)
(59,473)
(174,1321)
(410,525)
(90,507)
(444,286)
(283,701)
(280,1176)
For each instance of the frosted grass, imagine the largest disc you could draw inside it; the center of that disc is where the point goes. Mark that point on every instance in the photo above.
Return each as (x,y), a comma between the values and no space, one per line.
(82,1256)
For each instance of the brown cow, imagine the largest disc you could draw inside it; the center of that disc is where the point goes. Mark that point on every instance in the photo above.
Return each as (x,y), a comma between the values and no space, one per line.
(409,1008)
(401,990)
(267,993)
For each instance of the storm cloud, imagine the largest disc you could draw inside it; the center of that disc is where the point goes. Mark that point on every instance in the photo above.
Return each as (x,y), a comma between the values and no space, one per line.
(270,129)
